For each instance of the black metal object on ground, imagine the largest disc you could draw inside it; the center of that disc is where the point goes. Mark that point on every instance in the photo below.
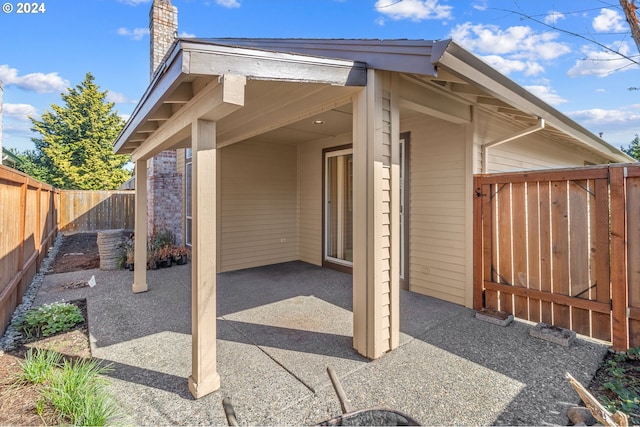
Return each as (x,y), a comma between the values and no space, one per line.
(363,417)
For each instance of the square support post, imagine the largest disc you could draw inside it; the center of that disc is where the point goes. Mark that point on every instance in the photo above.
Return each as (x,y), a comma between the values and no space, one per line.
(140,239)
(376,184)
(204,377)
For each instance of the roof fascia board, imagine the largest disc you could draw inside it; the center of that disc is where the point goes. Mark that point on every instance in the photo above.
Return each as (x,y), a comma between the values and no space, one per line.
(266,65)
(409,56)
(468,66)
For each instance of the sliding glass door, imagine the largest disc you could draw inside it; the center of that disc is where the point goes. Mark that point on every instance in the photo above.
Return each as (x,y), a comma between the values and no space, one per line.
(338,206)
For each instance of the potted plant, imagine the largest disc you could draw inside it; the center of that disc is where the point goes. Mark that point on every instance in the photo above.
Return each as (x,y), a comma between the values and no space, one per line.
(130,254)
(163,256)
(180,254)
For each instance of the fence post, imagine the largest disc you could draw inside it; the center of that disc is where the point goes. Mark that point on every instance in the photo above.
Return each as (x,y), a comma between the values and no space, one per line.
(620,338)
(478,260)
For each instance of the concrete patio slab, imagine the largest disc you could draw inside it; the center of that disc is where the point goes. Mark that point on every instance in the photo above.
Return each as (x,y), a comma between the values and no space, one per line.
(280,326)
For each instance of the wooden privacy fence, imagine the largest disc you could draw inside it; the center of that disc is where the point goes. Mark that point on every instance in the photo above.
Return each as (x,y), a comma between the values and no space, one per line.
(96,210)
(31,213)
(28,227)
(562,247)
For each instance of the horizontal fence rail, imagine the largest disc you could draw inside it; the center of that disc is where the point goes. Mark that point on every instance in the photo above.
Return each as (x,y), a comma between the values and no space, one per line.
(562,247)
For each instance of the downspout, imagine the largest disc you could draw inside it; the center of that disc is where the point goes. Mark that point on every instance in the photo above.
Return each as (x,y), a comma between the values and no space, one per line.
(499,141)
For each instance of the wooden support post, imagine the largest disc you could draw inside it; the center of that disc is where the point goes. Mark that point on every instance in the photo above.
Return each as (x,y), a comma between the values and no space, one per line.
(620,339)
(204,378)
(376,265)
(140,243)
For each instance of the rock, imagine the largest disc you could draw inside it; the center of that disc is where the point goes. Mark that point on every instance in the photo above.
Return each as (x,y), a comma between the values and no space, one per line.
(496,317)
(579,415)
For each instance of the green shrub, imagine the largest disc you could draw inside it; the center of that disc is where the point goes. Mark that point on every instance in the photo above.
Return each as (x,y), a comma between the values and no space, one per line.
(38,366)
(50,319)
(80,395)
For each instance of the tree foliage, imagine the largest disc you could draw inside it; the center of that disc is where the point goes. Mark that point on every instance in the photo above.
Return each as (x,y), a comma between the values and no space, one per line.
(633,149)
(75,148)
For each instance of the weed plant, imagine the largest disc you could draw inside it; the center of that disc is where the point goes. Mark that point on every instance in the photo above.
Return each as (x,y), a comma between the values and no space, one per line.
(38,366)
(50,319)
(79,393)
(623,384)
(76,391)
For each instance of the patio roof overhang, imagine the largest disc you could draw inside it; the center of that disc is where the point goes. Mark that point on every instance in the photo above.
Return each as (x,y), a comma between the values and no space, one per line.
(206,81)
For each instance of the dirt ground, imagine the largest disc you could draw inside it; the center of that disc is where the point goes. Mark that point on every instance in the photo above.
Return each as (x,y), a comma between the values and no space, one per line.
(78,251)
(18,402)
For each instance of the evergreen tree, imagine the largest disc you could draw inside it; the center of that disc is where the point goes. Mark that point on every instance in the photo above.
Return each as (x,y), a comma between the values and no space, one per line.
(75,150)
(633,149)
(30,163)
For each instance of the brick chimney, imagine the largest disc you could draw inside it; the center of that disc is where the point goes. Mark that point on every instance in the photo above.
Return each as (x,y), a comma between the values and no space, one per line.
(163,30)
(1,155)
(164,185)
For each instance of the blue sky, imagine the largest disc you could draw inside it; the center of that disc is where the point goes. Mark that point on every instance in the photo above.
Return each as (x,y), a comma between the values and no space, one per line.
(44,53)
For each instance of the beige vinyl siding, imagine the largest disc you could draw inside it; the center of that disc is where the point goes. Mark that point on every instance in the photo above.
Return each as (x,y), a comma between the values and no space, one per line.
(257,205)
(531,152)
(310,196)
(383,228)
(437,262)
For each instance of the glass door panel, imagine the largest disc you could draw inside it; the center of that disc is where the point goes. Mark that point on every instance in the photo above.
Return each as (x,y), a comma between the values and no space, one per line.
(339,207)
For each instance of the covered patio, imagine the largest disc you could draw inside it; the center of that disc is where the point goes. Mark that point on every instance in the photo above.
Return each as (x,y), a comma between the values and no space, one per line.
(280,326)
(271,128)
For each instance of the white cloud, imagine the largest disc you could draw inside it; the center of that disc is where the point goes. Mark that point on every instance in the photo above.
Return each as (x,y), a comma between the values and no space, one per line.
(415,10)
(602,117)
(119,98)
(135,34)
(185,35)
(228,3)
(514,49)
(553,17)
(380,21)
(34,82)
(520,42)
(601,90)
(618,126)
(507,66)
(125,117)
(602,63)
(19,111)
(481,5)
(546,93)
(609,21)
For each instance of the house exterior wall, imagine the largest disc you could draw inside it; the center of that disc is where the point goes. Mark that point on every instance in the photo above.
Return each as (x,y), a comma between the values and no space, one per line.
(437,259)
(258,205)
(310,196)
(440,235)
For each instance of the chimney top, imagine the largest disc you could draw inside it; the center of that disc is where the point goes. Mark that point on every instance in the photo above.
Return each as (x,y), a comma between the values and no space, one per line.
(163,30)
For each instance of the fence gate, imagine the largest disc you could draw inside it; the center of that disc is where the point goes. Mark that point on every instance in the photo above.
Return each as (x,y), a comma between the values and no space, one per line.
(562,247)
